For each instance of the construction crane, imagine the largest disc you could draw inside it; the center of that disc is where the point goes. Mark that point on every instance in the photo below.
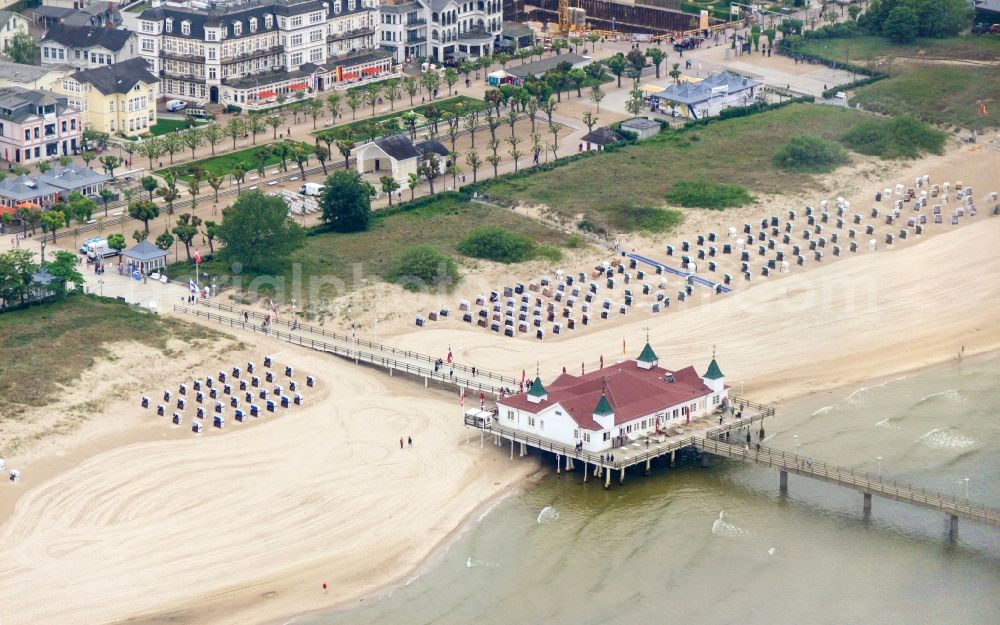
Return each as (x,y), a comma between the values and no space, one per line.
(563,13)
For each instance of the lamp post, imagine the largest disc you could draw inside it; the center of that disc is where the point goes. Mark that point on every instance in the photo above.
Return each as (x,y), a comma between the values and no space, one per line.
(741,388)
(879,460)
(966,481)
(796,438)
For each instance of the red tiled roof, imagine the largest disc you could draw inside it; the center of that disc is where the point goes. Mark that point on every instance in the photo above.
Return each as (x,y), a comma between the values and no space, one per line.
(631,391)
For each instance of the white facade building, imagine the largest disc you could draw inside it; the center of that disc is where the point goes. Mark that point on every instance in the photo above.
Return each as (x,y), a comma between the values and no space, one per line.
(443,30)
(611,406)
(232,53)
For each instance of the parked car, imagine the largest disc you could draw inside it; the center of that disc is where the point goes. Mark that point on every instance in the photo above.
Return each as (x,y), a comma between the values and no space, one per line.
(311,188)
(176,105)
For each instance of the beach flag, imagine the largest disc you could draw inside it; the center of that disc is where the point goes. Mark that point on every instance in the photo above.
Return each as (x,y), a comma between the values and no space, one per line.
(197,256)
(274,309)
(482,400)
(602,361)
(982,108)
(449,356)
(623,347)
(461,400)
(192,286)
(136,275)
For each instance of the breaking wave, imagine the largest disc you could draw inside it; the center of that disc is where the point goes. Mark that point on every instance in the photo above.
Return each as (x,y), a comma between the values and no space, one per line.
(547,515)
(823,410)
(946,438)
(721,527)
(480,564)
(950,395)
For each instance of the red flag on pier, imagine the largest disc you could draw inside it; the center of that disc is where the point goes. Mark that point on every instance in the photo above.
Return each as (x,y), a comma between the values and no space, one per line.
(461,400)
(197,256)
(449,356)
(482,400)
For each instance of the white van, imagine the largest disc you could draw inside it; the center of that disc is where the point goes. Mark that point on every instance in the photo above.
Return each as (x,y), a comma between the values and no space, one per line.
(311,188)
(176,105)
(100,249)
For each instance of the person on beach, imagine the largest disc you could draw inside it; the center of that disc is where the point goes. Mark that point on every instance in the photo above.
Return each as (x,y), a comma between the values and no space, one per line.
(409,441)
(400,442)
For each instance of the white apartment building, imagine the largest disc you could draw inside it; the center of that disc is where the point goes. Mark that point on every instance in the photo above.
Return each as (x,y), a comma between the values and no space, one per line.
(444,30)
(240,52)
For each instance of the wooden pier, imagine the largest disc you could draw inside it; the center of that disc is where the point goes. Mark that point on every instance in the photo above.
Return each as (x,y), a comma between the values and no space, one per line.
(359,351)
(709,440)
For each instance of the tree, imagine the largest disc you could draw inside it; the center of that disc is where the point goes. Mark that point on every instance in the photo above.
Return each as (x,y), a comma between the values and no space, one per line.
(389,186)
(215,182)
(902,25)
(116,241)
(656,57)
(138,235)
(430,169)
(258,233)
(596,95)
(52,220)
(422,266)
(300,155)
(494,160)
(186,229)
(617,65)
(315,109)
(372,94)
(144,210)
(172,143)
(578,76)
(151,148)
(333,105)
(239,173)
(474,162)
(89,156)
(165,241)
(430,80)
(106,195)
(95,139)
(593,37)
(354,101)
(675,73)
(514,152)
(411,87)
(192,138)
(811,154)
(322,155)
(392,92)
(16,270)
(412,181)
(853,11)
(213,135)
(63,269)
(635,102)
(110,163)
(169,192)
(256,124)
(43,166)
(470,123)
(235,128)
(21,49)
(589,120)
(211,231)
(555,129)
(344,146)
(450,78)
(65,161)
(511,119)
(346,202)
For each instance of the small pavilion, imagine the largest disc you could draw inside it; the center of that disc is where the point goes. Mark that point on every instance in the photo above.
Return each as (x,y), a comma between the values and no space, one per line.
(146,256)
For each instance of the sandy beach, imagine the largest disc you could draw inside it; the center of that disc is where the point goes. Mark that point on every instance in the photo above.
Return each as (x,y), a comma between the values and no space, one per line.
(245,525)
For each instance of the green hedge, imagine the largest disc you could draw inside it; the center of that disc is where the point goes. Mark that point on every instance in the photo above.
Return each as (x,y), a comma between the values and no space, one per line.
(829,93)
(743,111)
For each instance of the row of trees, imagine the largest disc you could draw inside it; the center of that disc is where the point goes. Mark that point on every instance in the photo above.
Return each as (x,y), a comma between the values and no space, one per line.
(902,21)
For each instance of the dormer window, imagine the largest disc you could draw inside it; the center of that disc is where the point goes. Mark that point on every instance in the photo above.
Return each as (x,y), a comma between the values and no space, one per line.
(253,24)
(237,28)
(185,27)
(169,27)
(268,21)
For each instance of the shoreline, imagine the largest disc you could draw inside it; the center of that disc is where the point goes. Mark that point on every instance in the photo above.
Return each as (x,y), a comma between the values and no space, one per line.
(436,556)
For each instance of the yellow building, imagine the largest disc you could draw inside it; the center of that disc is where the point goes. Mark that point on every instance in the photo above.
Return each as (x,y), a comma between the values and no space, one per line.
(119,98)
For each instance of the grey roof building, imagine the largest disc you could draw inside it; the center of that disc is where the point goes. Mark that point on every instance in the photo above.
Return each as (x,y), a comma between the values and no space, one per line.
(538,68)
(75,178)
(398,147)
(433,146)
(53,186)
(87,46)
(641,126)
(601,137)
(147,256)
(721,83)
(16,189)
(117,78)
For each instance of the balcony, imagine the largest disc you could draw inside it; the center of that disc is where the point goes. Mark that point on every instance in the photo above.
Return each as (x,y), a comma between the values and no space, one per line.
(351,34)
(165,73)
(476,35)
(415,40)
(416,22)
(253,54)
(180,56)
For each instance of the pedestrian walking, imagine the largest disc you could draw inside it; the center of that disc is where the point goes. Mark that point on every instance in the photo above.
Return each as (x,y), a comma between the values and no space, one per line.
(400,442)
(324,588)
(409,441)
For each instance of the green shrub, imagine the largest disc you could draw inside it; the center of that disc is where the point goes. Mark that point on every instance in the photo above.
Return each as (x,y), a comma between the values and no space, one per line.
(626,218)
(574,241)
(705,194)
(898,137)
(496,244)
(422,267)
(548,252)
(811,154)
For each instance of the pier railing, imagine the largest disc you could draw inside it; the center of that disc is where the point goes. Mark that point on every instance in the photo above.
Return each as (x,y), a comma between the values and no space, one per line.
(380,347)
(346,352)
(852,478)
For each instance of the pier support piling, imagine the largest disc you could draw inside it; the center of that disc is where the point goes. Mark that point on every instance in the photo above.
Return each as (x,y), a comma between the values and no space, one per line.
(673,458)
(585,471)
(481,435)
(558,462)
(512,448)
(867,507)
(425,382)
(647,466)
(953,528)
(621,477)
(704,461)
(607,478)
(783,481)
(524,450)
